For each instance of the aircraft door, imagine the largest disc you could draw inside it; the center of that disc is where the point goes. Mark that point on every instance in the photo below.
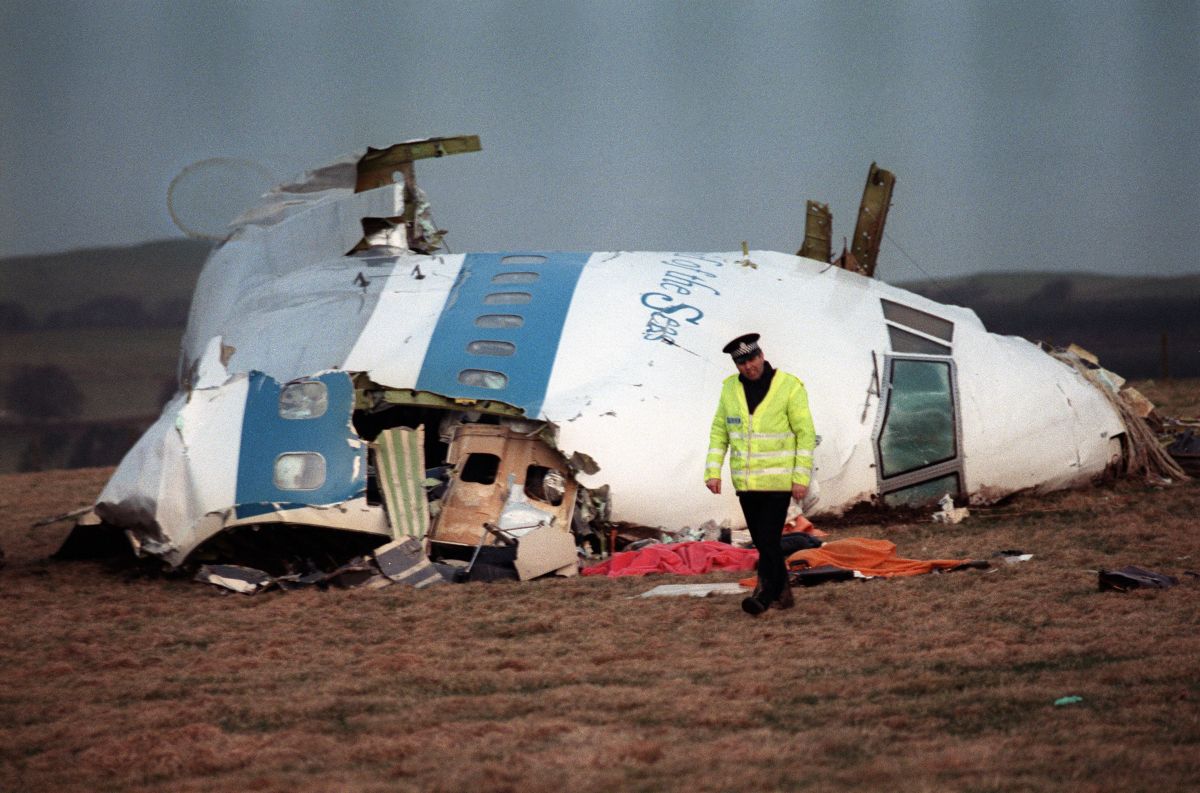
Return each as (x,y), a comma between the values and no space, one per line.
(918,437)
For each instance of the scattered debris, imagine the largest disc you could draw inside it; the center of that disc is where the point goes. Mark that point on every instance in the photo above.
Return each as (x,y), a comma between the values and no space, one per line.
(794,541)
(1131,577)
(398,562)
(546,550)
(1144,455)
(950,513)
(1185,450)
(823,574)
(1013,557)
(404,562)
(76,514)
(235,578)
(693,590)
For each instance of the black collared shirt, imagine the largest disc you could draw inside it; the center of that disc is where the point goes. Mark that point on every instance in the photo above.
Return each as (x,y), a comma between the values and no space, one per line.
(756,390)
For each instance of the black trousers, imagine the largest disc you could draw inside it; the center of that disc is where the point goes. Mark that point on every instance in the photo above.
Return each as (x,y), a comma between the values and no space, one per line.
(765,512)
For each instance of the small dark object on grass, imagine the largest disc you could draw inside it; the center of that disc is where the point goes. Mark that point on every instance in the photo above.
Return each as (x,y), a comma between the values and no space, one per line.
(1132,577)
(821,575)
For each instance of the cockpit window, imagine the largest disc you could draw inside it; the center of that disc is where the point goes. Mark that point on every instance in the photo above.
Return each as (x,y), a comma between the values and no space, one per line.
(918,429)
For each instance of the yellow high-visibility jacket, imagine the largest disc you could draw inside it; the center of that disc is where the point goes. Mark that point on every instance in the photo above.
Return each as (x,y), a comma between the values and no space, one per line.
(771,450)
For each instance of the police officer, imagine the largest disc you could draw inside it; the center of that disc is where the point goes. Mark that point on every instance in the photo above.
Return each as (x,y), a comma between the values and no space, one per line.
(764,421)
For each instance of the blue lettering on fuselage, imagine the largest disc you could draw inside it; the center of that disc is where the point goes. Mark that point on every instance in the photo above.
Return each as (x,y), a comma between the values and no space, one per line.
(685,276)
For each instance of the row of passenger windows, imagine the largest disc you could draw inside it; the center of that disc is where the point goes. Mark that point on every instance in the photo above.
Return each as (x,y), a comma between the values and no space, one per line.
(309,399)
(488,378)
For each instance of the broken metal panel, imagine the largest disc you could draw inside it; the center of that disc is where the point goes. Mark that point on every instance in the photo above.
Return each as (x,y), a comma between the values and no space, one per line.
(546,550)
(181,471)
(235,578)
(377,166)
(404,562)
(400,461)
(486,459)
(818,232)
(1028,422)
(872,215)
(382,236)
(354,514)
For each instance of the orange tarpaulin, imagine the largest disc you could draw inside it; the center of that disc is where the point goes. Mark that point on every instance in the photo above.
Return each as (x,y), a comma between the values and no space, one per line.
(869,557)
(801,523)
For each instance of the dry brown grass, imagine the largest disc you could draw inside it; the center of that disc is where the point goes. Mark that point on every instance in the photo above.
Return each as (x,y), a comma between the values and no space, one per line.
(941,682)
(1177,397)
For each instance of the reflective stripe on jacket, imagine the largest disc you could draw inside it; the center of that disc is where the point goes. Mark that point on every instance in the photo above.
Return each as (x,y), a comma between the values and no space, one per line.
(771,450)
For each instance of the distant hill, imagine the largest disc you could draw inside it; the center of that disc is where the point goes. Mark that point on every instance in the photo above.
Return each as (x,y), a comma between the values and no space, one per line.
(101,287)
(1122,319)
(102,326)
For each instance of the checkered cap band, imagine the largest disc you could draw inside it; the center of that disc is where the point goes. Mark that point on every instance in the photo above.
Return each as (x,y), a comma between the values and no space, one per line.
(744,350)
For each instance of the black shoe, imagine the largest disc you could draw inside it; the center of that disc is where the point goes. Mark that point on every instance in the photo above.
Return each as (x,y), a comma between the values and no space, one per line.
(785,599)
(753,606)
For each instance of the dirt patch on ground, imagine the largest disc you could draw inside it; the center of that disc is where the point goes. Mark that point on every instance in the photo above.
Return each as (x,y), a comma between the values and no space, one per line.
(942,682)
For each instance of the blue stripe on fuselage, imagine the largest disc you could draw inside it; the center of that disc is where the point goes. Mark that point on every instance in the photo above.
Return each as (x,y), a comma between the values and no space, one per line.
(266,435)
(527,370)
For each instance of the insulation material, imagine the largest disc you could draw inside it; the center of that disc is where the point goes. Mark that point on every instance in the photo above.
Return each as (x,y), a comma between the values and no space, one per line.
(400,461)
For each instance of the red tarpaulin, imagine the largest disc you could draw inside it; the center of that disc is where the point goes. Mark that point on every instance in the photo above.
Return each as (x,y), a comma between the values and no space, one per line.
(682,558)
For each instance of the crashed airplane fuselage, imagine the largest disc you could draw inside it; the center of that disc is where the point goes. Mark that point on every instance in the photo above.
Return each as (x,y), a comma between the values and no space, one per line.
(309,339)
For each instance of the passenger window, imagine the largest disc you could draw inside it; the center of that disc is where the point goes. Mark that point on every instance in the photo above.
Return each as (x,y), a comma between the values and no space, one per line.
(515,278)
(918,427)
(483,378)
(488,347)
(308,399)
(299,471)
(499,321)
(507,298)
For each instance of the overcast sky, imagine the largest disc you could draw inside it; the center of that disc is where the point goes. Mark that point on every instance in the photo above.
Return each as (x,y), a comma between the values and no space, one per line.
(1024,135)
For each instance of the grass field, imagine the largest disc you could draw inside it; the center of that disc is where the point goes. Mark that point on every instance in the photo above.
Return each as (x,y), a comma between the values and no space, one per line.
(942,682)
